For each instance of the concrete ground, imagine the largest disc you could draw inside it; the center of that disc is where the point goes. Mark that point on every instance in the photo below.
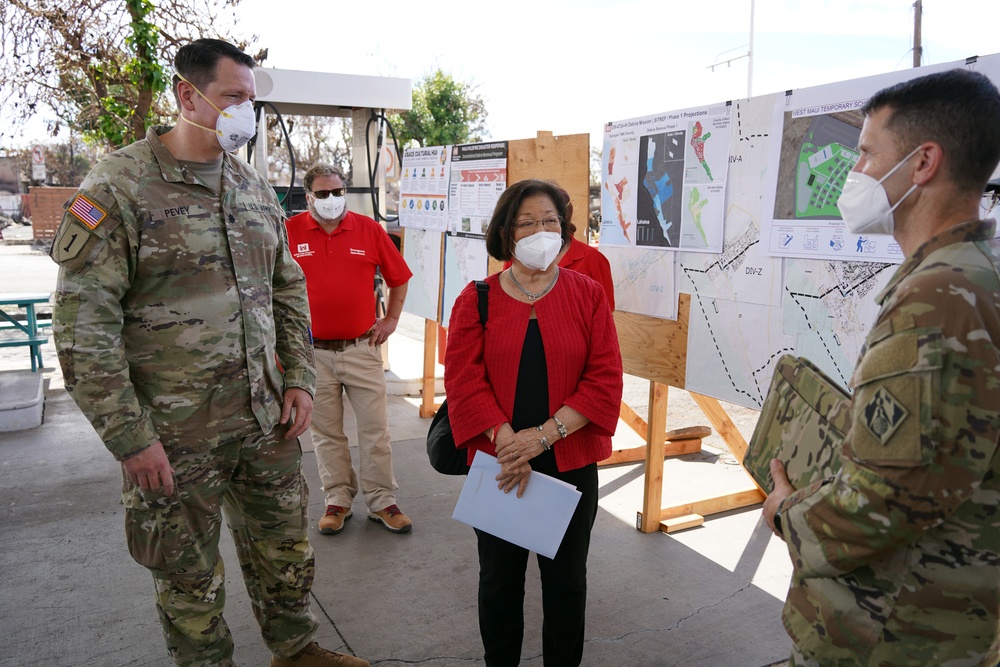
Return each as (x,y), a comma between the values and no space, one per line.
(71,595)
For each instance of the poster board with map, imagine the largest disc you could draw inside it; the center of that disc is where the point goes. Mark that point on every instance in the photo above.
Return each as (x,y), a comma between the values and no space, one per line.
(788,278)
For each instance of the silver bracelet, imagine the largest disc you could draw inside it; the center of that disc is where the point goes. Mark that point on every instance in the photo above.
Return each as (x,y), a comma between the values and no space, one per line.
(546,445)
(560,427)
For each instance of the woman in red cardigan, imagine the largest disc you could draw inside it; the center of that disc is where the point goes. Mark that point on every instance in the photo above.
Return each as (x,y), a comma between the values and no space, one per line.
(540,389)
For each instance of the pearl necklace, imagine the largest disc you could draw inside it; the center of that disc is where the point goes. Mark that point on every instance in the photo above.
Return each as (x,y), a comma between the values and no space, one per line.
(531,296)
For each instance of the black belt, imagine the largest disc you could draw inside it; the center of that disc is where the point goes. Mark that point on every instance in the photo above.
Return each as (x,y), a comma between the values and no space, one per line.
(340,345)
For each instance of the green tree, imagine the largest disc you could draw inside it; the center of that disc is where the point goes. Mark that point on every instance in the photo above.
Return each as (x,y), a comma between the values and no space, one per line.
(445,111)
(98,65)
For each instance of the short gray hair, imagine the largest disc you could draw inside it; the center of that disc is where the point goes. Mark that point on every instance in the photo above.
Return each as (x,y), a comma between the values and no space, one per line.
(320,170)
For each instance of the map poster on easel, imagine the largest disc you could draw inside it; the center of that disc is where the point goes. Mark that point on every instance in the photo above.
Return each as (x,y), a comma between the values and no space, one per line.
(665,180)
(422,252)
(819,128)
(644,281)
(465,260)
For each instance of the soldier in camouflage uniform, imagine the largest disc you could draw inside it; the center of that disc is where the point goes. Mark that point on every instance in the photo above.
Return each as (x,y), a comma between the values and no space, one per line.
(177,299)
(897,557)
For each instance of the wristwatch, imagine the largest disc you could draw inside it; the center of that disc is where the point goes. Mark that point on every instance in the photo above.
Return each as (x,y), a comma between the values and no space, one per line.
(560,427)
(777,522)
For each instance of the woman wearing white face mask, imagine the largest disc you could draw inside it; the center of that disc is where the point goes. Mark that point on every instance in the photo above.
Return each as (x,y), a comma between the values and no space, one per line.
(539,387)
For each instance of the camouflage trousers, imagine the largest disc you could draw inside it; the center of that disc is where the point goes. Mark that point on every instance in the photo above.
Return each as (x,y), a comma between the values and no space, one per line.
(258,482)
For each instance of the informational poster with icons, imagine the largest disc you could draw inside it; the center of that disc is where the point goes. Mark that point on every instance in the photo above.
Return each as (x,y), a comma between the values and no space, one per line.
(478,178)
(423,188)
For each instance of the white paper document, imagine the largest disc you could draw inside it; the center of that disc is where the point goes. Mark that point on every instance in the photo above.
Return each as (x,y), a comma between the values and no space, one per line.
(536,521)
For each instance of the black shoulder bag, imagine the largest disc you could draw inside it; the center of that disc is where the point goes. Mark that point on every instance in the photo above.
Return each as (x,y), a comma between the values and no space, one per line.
(444,456)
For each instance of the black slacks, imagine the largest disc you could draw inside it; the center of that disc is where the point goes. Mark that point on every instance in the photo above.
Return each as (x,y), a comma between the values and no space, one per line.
(502,567)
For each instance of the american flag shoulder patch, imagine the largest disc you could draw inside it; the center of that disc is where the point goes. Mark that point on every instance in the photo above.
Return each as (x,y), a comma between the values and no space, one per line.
(87,211)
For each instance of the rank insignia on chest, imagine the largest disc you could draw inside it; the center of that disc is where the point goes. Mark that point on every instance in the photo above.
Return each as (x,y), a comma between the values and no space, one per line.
(883,415)
(87,212)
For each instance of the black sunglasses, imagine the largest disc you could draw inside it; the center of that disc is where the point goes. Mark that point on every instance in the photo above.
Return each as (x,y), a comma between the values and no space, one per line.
(323,194)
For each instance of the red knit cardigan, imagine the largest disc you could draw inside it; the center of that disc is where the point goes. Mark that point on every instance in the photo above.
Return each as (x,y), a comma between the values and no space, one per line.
(582,359)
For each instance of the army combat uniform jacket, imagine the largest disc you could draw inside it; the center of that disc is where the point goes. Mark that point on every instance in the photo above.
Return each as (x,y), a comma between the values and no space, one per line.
(175,302)
(897,558)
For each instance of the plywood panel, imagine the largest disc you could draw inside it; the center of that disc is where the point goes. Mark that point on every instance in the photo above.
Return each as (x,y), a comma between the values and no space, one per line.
(655,349)
(565,160)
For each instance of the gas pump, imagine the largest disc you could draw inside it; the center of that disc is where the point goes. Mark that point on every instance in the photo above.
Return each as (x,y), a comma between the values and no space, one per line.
(360,98)
(366,100)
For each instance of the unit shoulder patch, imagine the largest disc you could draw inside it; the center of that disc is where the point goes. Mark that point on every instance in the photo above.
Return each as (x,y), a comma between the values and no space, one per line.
(883,415)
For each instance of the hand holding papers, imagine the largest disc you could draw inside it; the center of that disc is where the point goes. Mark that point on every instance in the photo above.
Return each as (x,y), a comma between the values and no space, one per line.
(536,521)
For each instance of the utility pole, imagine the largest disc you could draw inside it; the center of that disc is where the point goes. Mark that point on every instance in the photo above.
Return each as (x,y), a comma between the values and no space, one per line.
(918,50)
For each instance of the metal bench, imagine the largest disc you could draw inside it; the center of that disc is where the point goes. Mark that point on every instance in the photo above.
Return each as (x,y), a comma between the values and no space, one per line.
(21,329)
(20,339)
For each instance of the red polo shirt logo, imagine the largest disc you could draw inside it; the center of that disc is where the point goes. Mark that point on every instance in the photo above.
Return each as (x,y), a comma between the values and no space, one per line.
(358,251)
(302,250)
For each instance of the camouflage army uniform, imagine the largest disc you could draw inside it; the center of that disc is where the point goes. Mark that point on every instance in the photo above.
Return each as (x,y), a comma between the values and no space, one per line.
(896,557)
(173,302)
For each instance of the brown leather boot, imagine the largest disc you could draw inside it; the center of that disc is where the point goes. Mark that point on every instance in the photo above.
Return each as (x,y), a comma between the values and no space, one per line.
(315,655)
(333,521)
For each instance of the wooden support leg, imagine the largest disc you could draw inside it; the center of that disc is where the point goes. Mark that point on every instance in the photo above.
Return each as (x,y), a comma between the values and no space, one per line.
(427,405)
(727,430)
(670,448)
(685,440)
(648,521)
(632,419)
(723,424)
(692,513)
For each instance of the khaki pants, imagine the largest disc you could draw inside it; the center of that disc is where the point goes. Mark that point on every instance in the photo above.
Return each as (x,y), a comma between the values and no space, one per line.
(357,372)
(258,482)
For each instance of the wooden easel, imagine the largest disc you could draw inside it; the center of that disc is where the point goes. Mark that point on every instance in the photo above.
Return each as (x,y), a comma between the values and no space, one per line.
(427,404)
(656,350)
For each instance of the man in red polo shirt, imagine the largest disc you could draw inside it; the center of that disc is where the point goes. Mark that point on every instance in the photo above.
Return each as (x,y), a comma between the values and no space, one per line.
(339,252)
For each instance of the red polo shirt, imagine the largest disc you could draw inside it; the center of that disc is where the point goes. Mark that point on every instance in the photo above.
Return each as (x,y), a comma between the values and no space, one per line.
(340,271)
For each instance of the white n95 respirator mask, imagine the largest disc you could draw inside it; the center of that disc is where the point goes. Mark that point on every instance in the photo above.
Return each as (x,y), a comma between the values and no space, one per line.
(864,203)
(330,208)
(538,250)
(235,126)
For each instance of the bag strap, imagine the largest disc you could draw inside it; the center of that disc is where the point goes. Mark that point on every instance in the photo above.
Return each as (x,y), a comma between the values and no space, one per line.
(484,299)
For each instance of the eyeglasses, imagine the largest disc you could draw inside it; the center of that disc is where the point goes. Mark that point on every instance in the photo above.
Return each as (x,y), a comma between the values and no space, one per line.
(547,223)
(323,194)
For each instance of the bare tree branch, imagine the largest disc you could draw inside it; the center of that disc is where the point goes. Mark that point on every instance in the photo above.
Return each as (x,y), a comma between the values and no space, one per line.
(71,62)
